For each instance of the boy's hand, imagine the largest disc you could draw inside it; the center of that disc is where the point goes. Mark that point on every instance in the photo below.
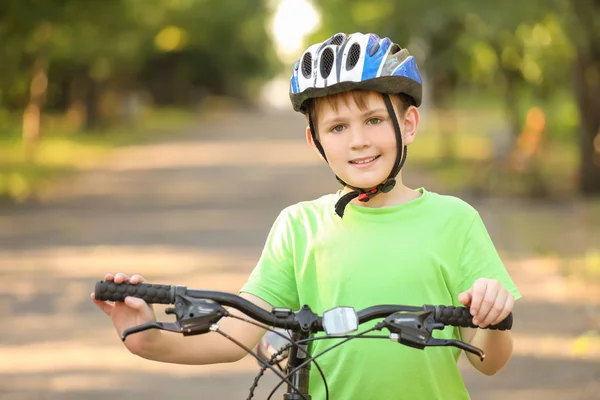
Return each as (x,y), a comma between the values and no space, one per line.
(133,311)
(490,302)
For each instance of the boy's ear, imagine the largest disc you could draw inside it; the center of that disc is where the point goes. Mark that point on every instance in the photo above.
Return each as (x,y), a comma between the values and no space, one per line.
(412,117)
(311,142)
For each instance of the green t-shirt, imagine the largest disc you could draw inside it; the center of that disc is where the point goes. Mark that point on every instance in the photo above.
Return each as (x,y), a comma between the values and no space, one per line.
(426,251)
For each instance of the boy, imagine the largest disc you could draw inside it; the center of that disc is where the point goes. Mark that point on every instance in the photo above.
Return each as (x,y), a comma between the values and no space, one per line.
(374,242)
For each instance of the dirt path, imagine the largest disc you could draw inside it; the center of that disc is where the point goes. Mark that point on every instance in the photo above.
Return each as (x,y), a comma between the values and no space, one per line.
(199,207)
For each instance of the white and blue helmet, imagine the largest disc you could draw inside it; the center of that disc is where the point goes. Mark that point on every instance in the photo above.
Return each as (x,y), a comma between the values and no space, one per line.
(356,61)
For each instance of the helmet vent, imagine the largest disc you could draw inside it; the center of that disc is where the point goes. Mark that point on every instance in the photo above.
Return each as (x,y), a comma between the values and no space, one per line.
(395,48)
(374,49)
(327,59)
(307,65)
(353,56)
(338,39)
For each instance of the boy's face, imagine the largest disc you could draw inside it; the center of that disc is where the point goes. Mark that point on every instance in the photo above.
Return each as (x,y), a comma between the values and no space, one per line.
(360,142)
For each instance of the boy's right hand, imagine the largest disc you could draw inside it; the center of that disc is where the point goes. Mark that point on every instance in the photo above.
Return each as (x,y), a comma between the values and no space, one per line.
(133,311)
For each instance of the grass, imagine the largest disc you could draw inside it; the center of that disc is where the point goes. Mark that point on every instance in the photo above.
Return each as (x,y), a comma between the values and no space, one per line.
(61,151)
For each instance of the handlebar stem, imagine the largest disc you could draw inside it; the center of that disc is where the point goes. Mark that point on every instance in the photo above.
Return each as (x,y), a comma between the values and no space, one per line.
(296,357)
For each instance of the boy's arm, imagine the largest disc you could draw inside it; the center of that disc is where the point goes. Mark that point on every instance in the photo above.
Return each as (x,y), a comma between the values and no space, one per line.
(490,304)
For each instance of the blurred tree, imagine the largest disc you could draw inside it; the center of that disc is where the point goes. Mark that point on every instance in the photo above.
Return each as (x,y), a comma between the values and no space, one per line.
(84,57)
(582,21)
(213,46)
(26,32)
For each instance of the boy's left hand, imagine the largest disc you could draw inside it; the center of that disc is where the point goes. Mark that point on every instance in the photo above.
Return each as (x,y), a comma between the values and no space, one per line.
(490,302)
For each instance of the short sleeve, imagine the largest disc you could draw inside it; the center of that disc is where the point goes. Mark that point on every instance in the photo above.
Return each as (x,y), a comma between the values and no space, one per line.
(273,278)
(480,259)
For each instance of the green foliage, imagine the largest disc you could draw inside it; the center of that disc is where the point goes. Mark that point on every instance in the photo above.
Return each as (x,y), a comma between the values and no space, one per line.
(123,44)
(220,44)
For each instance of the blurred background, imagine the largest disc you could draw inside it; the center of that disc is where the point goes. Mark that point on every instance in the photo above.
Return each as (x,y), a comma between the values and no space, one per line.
(157,137)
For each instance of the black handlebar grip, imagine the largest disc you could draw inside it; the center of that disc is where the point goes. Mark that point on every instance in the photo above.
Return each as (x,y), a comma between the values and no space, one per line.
(461,316)
(158,294)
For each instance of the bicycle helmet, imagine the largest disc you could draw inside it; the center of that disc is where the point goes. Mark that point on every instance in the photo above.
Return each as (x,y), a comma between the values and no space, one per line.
(356,61)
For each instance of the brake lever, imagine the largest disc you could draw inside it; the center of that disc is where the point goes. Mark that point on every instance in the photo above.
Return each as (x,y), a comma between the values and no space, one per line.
(165,326)
(414,329)
(457,343)
(194,317)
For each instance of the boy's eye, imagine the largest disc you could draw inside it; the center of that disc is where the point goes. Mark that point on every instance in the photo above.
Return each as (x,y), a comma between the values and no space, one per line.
(374,121)
(337,128)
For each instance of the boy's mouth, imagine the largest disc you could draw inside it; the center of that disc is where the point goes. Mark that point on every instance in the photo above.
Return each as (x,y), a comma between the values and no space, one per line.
(364,160)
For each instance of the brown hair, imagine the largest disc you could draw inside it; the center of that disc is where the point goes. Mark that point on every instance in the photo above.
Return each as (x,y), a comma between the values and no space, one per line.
(359,97)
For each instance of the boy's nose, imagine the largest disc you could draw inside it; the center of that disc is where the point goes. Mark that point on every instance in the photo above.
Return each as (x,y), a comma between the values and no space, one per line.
(359,139)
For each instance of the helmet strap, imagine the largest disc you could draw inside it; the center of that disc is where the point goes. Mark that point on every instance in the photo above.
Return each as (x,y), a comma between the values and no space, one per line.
(313,133)
(401,150)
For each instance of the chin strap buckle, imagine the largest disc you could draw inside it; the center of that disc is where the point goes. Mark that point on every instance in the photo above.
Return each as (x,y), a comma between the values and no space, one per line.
(384,187)
(368,195)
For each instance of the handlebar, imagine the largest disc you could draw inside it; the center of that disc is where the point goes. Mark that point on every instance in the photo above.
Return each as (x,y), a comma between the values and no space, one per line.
(198,312)
(280,317)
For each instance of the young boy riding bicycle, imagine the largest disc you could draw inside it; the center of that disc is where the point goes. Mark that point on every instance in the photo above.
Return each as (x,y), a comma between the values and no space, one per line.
(375,241)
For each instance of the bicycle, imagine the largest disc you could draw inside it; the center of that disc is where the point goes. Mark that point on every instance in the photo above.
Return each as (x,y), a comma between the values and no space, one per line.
(199,311)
